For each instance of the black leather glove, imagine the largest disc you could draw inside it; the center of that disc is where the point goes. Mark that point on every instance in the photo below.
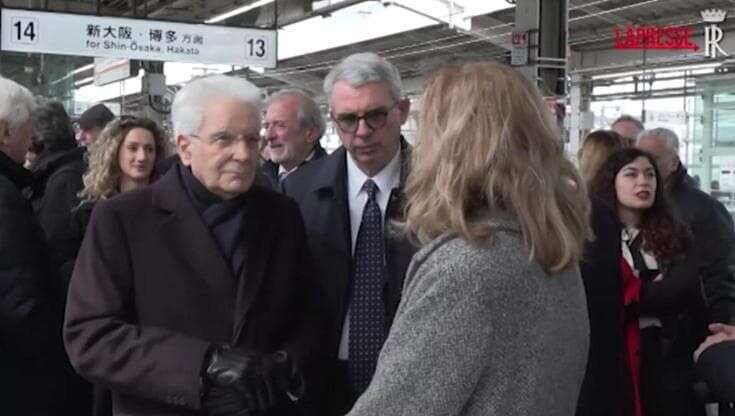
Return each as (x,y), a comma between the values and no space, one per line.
(244,383)
(224,401)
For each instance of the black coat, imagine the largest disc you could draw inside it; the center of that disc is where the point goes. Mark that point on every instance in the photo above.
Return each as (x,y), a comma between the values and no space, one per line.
(151,292)
(676,300)
(57,180)
(270,169)
(32,362)
(320,189)
(714,242)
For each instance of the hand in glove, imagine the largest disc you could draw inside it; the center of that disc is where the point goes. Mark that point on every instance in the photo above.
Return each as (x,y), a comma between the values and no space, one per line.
(241,383)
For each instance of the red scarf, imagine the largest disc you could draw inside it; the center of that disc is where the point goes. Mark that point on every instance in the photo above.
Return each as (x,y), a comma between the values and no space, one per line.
(631,296)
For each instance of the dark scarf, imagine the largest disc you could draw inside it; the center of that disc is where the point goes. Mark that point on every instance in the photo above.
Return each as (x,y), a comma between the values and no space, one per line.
(16,173)
(223,218)
(680,180)
(47,162)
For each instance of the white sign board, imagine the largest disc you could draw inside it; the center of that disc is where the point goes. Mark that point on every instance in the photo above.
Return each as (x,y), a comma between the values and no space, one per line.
(108,70)
(727,178)
(519,53)
(70,34)
(668,117)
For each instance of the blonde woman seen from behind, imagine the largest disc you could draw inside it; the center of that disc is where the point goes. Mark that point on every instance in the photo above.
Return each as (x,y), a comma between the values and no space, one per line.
(493,317)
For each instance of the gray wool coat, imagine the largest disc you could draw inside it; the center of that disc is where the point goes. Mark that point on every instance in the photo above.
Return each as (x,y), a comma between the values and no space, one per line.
(482,331)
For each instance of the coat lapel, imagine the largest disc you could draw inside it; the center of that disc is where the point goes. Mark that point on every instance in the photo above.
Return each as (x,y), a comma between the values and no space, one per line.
(259,236)
(191,244)
(331,209)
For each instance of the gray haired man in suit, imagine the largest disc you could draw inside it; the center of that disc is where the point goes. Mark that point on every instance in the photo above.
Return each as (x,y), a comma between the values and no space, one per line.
(347,200)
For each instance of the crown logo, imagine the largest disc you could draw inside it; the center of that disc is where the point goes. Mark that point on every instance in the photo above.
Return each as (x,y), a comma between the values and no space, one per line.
(713,15)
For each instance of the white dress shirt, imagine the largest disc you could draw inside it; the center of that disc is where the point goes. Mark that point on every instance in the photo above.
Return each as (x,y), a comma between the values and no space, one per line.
(386,180)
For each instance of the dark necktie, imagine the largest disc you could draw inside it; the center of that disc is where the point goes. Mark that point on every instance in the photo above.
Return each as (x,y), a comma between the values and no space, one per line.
(367,311)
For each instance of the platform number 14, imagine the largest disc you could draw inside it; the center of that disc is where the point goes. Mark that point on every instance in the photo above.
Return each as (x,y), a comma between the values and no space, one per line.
(24,30)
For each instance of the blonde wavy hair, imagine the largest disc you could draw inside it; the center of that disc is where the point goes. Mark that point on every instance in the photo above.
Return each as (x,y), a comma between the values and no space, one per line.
(486,143)
(102,179)
(595,149)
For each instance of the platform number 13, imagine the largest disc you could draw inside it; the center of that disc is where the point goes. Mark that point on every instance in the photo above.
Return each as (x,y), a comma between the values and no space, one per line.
(256,47)
(24,30)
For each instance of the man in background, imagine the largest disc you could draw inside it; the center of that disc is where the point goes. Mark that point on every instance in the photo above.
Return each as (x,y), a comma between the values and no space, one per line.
(710,223)
(293,126)
(628,127)
(91,123)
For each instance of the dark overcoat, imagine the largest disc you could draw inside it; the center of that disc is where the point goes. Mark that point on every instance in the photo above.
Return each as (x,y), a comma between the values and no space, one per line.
(151,292)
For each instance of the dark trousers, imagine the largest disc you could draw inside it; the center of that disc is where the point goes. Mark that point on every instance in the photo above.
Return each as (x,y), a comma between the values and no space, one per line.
(666,377)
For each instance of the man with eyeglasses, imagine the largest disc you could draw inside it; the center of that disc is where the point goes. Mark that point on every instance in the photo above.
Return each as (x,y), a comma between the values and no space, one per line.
(196,295)
(348,200)
(293,126)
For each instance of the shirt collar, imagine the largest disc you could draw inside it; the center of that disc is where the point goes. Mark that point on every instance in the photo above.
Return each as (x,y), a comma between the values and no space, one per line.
(282,170)
(386,180)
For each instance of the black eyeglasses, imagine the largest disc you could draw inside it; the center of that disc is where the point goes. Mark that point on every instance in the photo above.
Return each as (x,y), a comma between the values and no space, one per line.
(375,119)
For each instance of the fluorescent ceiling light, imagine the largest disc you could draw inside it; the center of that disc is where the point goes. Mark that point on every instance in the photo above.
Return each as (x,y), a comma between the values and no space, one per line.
(82,69)
(84,81)
(239,10)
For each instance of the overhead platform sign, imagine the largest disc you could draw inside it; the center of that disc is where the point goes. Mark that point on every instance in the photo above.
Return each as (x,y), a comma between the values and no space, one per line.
(114,37)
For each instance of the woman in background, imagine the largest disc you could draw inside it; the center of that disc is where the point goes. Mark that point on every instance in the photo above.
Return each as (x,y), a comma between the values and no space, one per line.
(492,319)
(647,312)
(595,149)
(121,159)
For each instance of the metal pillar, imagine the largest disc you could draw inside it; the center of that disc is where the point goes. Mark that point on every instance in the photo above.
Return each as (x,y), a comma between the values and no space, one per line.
(527,17)
(579,102)
(153,88)
(708,124)
(546,22)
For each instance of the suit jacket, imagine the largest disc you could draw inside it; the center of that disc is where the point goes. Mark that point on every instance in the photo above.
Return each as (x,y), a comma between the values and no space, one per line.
(151,292)
(320,189)
(270,169)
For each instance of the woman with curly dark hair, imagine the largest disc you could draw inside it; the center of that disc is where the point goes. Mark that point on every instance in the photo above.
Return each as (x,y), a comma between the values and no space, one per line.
(643,294)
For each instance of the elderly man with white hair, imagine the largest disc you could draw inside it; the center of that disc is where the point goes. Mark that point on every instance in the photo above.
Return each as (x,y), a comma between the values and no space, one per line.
(710,223)
(196,294)
(32,362)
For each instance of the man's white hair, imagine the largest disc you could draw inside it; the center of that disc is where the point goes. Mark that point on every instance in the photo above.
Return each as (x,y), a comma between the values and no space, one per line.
(188,107)
(670,139)
(309,113)
(362,68)
(17,103)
